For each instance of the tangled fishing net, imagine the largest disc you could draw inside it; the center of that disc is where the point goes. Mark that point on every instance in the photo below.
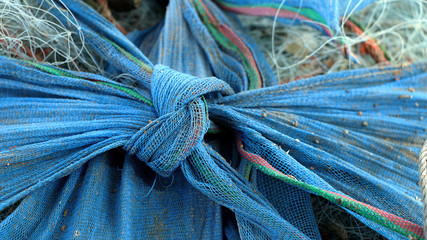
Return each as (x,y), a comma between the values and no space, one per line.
(227,119)
(29,31)
(398,28)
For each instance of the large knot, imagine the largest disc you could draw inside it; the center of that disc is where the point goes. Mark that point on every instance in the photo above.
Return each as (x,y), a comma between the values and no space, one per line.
(183,118)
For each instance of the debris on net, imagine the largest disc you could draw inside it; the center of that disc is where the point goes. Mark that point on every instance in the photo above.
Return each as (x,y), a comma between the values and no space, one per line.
(179,154)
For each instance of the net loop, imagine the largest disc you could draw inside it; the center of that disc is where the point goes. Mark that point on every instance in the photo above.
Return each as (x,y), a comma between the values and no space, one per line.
(179,101)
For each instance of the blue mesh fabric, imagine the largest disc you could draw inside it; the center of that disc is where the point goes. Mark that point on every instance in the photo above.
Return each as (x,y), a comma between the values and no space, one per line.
(183,24)
(92,158)
(328,12)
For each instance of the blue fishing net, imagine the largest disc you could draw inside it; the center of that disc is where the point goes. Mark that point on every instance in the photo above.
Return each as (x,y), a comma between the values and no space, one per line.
(325,15)
(180,154)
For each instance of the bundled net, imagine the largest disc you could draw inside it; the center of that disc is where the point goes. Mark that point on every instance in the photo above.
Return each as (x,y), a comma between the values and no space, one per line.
(148,145)
(398,28)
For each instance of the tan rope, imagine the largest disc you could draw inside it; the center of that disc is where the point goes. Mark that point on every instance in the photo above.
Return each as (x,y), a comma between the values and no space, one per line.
(423,182)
